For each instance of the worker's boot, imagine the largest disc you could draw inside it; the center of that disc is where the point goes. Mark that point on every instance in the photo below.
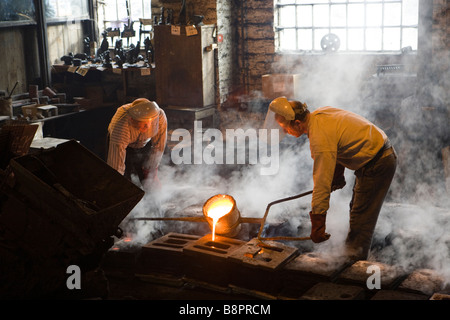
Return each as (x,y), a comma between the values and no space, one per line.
(357,245)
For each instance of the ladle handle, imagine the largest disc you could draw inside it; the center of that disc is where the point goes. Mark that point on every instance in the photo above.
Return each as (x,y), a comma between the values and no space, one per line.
(250,220)
(267,212)
(191,219)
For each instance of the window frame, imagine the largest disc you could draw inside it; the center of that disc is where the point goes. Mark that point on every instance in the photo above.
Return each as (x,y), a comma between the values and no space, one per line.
(112,22)
(313,28)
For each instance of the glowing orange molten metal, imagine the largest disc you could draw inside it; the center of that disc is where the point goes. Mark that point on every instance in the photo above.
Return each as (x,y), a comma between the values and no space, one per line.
(218,209)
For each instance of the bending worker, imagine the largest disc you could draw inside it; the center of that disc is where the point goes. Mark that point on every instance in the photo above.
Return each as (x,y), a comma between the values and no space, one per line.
(341,139)
(137,139)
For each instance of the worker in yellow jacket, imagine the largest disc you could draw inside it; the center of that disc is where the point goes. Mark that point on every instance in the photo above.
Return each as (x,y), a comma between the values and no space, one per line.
(341,139)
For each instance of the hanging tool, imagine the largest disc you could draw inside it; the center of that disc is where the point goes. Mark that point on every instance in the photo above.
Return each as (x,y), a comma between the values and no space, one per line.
(14,88)
(182,15)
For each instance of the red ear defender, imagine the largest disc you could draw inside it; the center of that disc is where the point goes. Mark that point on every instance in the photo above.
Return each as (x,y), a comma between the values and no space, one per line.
(300,109)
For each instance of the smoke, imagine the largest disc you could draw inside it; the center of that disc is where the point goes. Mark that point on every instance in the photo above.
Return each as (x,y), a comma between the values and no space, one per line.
(414,237)
(413,227)
(412,234)
(412,107)
(185,188)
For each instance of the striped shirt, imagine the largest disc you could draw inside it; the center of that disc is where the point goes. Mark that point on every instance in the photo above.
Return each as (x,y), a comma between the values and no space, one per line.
(122,135)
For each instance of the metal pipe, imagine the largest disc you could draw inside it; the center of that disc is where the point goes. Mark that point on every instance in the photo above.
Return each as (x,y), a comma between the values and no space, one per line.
(267,212)
(195,219)
(190,219)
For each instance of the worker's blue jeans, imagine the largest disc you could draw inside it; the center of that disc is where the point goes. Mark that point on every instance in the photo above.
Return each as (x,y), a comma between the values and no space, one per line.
(371,186)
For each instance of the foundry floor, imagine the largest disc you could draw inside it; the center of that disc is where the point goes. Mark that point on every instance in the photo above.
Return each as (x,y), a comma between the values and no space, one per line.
(126,282)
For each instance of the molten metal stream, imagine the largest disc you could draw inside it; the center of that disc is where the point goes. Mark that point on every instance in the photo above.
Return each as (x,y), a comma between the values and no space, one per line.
(217,210)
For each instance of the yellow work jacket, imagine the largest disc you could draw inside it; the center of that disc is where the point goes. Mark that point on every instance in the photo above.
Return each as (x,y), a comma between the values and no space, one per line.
(339,136)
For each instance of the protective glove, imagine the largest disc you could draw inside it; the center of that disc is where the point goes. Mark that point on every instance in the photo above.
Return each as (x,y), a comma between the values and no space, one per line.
(318,228)
(338,183)
(338,178)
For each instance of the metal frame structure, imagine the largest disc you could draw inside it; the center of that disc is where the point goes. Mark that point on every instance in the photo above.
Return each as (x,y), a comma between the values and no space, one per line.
(297,5)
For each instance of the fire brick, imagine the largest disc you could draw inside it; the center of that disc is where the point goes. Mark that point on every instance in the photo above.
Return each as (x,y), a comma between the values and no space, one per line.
(306,270)
(440,296)
(359,273)
(334,291)
(258,265)
(423,281)
(207,260)
(165,254)
(269,255)
(397,295)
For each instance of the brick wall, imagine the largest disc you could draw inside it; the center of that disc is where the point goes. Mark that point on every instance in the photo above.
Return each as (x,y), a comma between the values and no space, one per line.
(440,40)
(433,53)
(254,19)
(226,52)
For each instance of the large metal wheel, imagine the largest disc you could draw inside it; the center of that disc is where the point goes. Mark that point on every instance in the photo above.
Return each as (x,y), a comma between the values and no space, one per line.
(330,42)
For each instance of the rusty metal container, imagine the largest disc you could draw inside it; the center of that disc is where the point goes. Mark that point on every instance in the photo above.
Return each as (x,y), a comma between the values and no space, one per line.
(184,67)
(229,224)
(78,191)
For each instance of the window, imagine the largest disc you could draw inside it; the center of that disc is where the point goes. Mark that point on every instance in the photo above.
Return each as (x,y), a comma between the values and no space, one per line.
(21,12)
(115,14)
(17,12)
(346,25)
(66,9)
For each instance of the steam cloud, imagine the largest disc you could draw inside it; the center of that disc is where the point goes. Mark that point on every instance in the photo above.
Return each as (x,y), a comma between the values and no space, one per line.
(414,223)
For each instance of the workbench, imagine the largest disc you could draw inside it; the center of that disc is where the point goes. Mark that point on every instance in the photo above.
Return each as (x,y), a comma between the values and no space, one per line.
(103,85)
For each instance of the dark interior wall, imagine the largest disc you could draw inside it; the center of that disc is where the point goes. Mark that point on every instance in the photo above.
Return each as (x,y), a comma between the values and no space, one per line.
(20,55)
(13,62)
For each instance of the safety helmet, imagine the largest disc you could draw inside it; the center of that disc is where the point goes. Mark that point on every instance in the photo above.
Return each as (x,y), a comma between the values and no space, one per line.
(143,110)
(282,107)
